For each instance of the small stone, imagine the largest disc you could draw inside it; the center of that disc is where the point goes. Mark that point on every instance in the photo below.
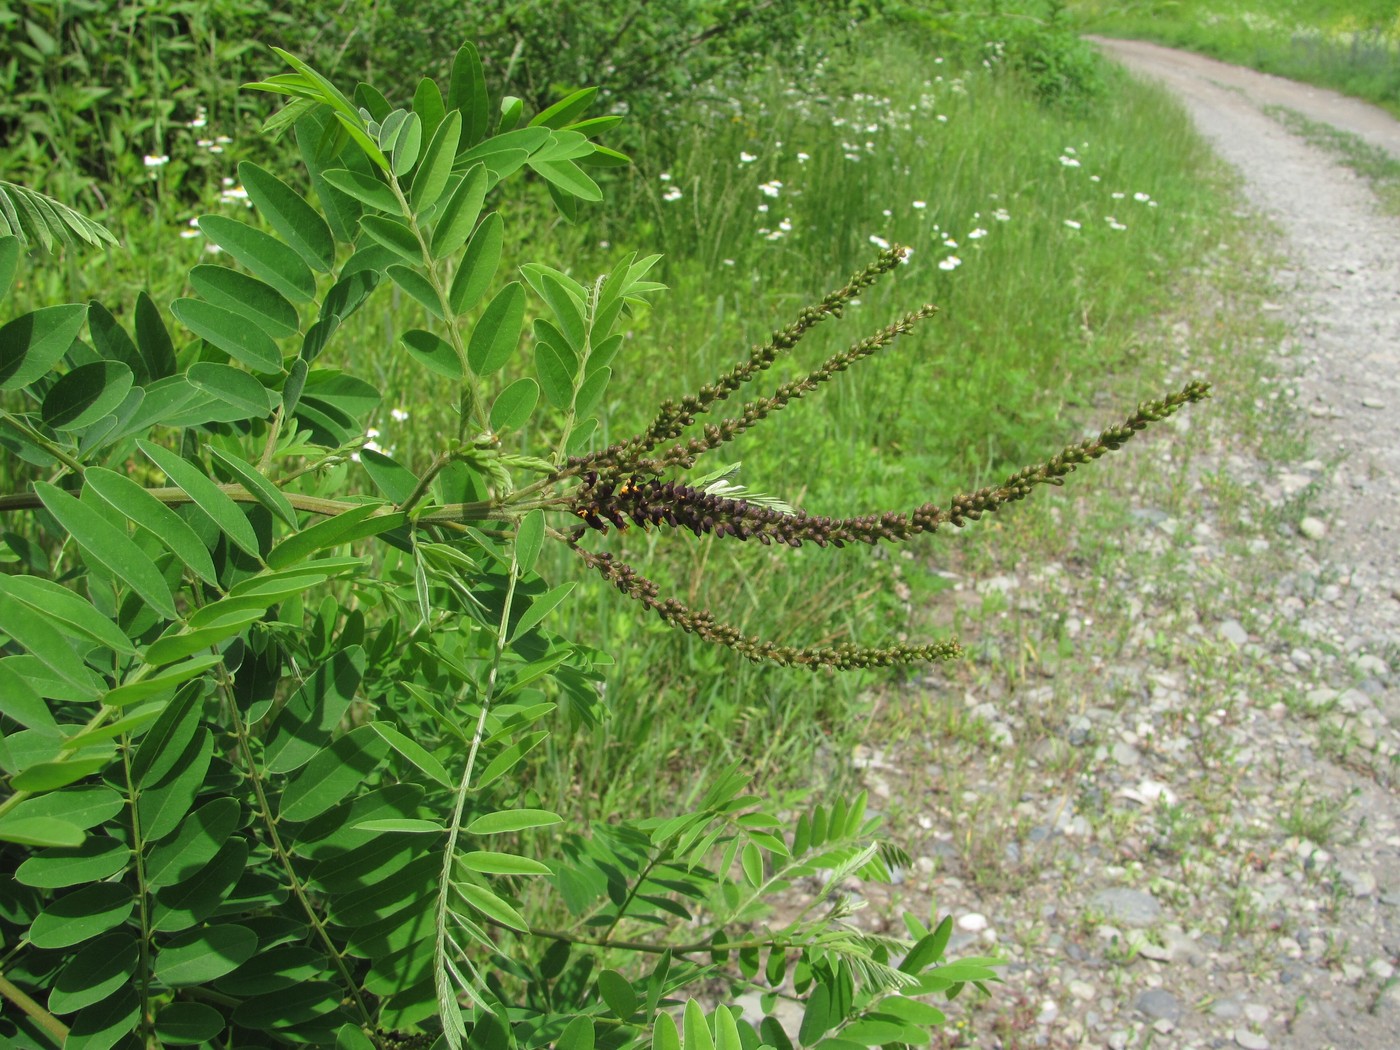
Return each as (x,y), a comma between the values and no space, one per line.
(1128,906)
(1126,754)
(1082,990)
(1256,1013)
(1159,1004)
(1250,1040)
(1381,970)
(1227,1009)
(1117,1040)
(1233,632)
(1372,665)
(1312,528)
(973,922)
(1372,402)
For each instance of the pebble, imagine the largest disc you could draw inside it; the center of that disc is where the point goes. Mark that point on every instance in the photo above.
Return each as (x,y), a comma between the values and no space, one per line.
(973,922)
(1233,632)
(1128,906)
(1250,1040)
(1159,1004)
(1312,528)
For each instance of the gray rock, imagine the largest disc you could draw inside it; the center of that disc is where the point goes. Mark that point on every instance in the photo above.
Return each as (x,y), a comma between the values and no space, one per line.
(1226,1008)
(1250,1040)
(1312,528)
(1233,632)
(1159,1004)
(1128,906)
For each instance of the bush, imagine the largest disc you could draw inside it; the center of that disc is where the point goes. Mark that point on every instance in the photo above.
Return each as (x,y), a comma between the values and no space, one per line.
(269,697)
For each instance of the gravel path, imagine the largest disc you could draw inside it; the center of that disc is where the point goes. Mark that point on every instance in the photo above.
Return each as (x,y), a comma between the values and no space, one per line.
(1165,787)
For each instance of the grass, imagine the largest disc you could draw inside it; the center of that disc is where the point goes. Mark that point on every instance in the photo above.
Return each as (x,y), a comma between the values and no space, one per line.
(1352,46)
(1373,164)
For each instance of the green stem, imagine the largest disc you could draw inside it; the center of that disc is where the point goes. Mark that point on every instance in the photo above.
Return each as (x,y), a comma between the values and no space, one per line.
(45,1020)
(283,857)
(138,845)
(30,434)
(440,961)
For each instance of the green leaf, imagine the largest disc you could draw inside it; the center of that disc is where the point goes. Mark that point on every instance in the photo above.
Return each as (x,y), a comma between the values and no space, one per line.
(514,404)
(364,188)
(488,863)
(188,1024)
(479,264)
(155,685)
(431,177)
(569,178)
(726,1030)
(508,820)
(230,332)
(98,969)
(97,858)
(9,263)
(395,481)
(368,519)
(109,546)
(402,825)
(82,915)
(186,903)
(86,394)
(395,236)
(541,607)
(428,104)
(284,966)
(566,109)
(578,1035)
(492,906)
(352,1037)
(193,844)
(459,216)
(303,726)
(256,485)
(21,702)
(79,807)
(752,861)
(39,831)
(816,1018)
(567,309)
(164,803)
(418,286)
(244,294)
(63,607)
(664,1035)
(103,1025)
(291,1007)
(414,752)
(153,340)
(529,538)
(592,390)
(697,1032)
(212,501)
(497,335)
(333,774)
(406,145)
(234,387)
(433,352)
(555,369)
(617,992)
(33,343)
(153,517)
(199,956)
(268,258)
(48,776)
(299,224)
(466,90)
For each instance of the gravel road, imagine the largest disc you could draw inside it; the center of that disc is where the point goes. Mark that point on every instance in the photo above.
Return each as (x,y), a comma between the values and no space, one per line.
(1185,831)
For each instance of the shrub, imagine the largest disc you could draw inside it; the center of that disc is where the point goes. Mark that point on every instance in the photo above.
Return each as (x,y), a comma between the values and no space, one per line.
(269,697)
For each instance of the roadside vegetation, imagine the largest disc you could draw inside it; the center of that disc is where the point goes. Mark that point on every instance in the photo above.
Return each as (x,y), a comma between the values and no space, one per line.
(999,151)
(1352,46)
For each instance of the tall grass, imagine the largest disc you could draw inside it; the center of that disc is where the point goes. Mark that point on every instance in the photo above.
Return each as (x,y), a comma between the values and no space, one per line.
(1352,46)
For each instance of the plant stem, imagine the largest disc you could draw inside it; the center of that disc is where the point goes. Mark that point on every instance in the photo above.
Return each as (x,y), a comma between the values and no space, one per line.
(45,1020)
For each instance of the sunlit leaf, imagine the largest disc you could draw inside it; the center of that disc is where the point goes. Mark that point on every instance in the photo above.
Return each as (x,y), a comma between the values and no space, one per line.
(514,404)
(512,820)
(478,266)
(230,332)
(459,216)
(86,394)
(268,258)
(299,224)
(212,501)
(436,166)
(244,294)
(32,343)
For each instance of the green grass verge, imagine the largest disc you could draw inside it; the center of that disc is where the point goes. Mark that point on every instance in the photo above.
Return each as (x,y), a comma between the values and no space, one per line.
(1352,46)
(1373,164)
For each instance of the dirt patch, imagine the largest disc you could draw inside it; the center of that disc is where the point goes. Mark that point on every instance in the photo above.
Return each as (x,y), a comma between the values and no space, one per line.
(1164,784)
